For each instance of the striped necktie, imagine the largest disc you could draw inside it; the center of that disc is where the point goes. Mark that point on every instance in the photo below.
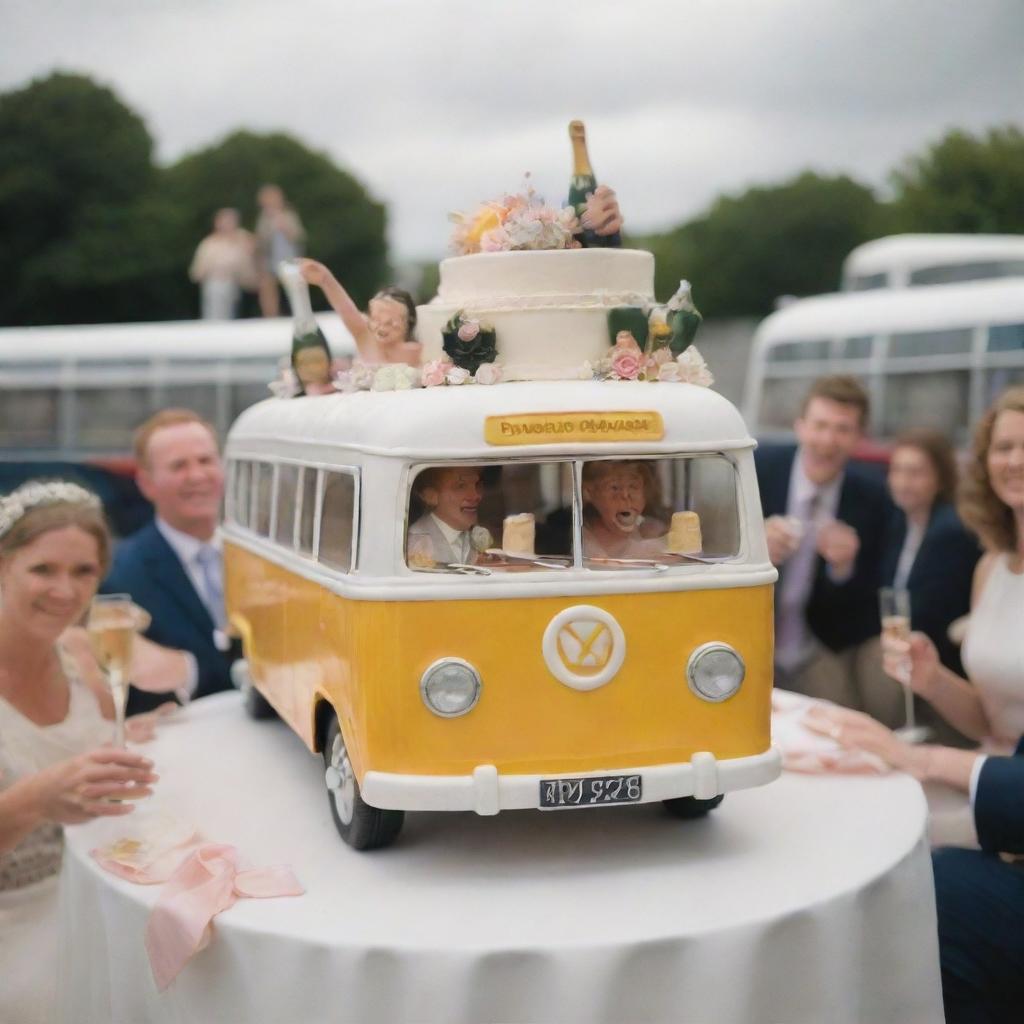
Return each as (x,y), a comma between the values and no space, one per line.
(208,560)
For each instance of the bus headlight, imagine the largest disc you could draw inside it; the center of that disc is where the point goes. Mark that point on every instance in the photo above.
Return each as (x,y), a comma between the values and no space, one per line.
(450,687)
(715,672)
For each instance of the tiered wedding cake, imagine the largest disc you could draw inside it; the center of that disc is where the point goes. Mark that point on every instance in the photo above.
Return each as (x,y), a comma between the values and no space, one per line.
(548,308)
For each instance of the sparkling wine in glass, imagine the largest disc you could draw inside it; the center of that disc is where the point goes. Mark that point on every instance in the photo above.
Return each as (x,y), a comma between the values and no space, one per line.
(894,606)
(112,625)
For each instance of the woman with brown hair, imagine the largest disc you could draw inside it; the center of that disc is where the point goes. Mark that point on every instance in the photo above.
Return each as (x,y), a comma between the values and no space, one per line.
(980,894)
(57,764)
(927,549)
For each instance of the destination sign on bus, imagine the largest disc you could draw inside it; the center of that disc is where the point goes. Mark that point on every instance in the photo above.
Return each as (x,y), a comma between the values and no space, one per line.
(573,427)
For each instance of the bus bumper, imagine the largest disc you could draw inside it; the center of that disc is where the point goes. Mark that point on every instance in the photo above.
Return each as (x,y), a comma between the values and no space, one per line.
(488,792)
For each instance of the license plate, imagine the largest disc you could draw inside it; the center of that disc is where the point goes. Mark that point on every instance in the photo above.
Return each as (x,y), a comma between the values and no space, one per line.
(601,789)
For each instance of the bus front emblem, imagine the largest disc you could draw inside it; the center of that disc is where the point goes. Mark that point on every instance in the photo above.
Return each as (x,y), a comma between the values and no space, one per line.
(584,647)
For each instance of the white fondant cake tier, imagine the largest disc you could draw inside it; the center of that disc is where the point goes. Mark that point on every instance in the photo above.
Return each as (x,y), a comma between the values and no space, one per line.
(548,308)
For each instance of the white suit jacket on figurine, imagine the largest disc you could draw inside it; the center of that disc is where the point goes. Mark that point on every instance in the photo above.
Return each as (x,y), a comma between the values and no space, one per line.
(427,540)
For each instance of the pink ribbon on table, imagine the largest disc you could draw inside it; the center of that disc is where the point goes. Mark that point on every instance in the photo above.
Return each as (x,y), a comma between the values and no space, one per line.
(804,750)
(207,882)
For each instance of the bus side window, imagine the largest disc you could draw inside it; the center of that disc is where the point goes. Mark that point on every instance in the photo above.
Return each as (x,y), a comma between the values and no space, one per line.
(337,517)
(935,399)
(28,418)
(307,519)
(263,487)
(240,503)
(287,489)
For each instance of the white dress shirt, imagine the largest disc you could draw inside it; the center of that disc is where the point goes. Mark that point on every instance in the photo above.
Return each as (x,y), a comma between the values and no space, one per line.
(458,540)
(813,506)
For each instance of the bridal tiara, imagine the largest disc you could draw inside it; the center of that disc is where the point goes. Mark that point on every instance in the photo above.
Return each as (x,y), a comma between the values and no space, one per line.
(33,495)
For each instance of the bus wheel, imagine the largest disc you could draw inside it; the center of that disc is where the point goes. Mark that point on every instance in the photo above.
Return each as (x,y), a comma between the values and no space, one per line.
(690,807)
(256,705)
(361,826)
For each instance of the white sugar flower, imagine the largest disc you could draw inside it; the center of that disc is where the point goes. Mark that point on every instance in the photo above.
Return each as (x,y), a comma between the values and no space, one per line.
(457,375)
(488,373)
(693,369)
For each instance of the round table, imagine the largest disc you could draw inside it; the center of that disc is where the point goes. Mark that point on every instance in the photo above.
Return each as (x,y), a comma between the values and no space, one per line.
(806,900)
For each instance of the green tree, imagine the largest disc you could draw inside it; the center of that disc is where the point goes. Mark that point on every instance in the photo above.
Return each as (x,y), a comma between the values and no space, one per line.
(78,210)
(345,226)
(964,184)
(787,239)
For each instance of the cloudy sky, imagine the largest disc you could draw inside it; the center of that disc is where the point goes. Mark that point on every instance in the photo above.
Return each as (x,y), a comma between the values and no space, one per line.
(437,104)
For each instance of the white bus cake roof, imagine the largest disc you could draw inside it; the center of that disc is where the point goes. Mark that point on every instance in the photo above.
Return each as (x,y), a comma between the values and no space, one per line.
(448,422)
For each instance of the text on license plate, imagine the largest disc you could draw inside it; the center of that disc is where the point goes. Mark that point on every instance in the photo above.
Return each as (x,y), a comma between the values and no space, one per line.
(601,789)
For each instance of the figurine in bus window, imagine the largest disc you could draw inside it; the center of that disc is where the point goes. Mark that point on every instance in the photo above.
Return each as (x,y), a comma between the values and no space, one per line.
(448,532)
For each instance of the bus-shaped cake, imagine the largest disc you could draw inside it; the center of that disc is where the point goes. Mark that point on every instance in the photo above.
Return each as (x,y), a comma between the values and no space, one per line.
(534,594)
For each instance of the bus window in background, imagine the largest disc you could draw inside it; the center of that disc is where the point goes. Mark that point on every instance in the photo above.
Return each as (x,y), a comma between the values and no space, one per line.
(928,356)
(901,261)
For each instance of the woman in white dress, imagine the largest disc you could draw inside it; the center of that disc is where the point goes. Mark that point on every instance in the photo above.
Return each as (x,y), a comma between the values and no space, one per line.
(57,766)
(978,893)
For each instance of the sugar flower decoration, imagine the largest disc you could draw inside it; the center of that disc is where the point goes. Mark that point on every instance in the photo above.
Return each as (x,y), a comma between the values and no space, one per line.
(517,221)
(693,369)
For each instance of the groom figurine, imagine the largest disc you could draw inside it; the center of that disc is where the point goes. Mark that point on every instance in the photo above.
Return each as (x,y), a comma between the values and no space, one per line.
(444,534)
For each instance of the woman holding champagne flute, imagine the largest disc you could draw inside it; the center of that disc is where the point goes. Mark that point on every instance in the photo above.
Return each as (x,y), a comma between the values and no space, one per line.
(980,895)
(57,763)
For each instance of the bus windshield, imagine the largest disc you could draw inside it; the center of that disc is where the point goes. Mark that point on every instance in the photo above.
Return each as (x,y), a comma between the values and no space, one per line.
(596,514)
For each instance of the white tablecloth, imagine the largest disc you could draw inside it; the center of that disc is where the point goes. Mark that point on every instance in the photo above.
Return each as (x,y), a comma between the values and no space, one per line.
(807,900)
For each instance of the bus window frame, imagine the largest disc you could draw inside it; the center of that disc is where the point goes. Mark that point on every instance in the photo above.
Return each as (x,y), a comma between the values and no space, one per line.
(576,461)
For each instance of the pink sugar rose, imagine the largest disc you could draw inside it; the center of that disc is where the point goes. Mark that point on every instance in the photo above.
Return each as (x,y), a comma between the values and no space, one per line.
(435,372)
(626,363)
(469,330)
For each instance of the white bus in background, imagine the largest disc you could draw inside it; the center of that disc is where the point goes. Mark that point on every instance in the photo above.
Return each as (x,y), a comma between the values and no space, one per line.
(70,397)
(929,357)
(77,393)
(905,261)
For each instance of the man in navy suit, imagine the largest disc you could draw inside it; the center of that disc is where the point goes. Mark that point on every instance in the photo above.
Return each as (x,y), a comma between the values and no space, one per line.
(825,521)
(980,894)
(173,567)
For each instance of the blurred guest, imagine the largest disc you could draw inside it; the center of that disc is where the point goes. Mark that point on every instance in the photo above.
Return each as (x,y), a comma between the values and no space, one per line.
(173,567)
(223,265)
(279,236)
(824,523)
(57,765)
(386,334)
(928,553)
(980,894)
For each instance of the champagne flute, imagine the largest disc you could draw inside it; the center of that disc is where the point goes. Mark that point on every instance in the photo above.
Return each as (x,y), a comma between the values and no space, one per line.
(894,606)
(112,625)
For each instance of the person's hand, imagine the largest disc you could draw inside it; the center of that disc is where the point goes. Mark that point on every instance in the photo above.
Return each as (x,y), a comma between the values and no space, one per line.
(919,654)
(855,730)
(142,728)
(315,273)
(782,539)
(838,544)
(158,669)
(602,214)
(81,788)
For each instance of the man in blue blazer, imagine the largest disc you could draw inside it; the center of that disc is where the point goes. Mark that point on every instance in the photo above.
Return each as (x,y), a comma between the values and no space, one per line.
(980,894)
(173,567)
(825,521)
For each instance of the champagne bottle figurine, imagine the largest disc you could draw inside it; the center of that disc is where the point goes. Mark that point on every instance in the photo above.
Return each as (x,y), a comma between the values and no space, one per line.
(583,184)
(311,355)
(683,317)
